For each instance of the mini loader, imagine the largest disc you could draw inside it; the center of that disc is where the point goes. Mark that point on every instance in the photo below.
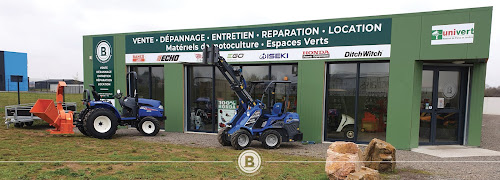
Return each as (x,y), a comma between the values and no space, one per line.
(252,122)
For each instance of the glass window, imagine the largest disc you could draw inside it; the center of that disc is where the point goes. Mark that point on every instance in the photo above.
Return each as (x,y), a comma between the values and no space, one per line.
(142,79)
(372,101)
(200,92)
(426,96)
(366,83)
(157,80)
(448,89)
(340,108)
(286,73)
(200,99)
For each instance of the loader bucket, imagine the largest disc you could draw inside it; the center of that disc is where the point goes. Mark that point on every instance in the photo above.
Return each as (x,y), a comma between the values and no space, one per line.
(45,109)
(57,117)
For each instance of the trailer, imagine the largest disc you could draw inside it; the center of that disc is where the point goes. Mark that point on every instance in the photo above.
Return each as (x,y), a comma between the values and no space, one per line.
(20,115)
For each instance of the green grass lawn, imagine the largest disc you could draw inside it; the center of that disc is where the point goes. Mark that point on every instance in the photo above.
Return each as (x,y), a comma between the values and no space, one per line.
(36,144)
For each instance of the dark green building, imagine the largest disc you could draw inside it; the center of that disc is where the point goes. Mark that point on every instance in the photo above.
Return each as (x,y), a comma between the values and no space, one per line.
(410,79)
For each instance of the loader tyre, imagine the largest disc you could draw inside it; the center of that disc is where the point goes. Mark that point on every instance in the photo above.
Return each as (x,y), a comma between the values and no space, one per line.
(149,126)
(241,139)
(100,123)
(222,137)
(271,139)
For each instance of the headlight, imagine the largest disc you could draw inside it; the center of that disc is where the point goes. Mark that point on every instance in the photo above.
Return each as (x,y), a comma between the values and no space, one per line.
(160,107)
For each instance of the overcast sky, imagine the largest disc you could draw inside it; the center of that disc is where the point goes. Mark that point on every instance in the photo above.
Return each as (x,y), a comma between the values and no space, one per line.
(51,31)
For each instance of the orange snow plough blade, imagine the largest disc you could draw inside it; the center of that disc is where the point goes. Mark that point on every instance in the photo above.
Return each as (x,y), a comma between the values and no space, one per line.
(45,109)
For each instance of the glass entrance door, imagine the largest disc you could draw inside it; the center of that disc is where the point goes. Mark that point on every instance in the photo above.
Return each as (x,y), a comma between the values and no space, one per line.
(442,108)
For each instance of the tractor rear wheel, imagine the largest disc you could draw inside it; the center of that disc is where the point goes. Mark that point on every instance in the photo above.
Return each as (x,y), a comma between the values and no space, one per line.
(82,130)
(241,139)
(100,123)
(271,139)
(222,136)
(149,126)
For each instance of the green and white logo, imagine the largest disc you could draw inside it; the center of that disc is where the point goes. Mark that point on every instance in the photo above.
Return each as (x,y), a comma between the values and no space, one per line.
(452,34)
(437,34)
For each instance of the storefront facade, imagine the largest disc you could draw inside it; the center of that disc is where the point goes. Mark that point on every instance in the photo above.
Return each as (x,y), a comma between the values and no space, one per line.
(410,79)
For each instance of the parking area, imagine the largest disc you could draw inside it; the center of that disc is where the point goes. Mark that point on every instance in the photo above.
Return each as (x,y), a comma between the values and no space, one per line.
(480,167)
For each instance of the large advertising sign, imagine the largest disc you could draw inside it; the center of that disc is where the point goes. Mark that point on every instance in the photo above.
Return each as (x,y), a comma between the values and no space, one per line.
(103,66)
(305,41)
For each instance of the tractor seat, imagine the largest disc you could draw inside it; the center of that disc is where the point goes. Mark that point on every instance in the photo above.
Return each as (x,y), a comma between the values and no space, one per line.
(277,109)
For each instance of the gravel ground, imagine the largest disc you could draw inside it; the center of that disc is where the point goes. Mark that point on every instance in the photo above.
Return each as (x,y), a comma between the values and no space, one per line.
(437,170)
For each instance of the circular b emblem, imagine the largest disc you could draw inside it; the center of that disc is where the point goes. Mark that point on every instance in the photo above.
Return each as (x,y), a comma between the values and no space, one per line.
(450,90)
(103,51)
(249,161)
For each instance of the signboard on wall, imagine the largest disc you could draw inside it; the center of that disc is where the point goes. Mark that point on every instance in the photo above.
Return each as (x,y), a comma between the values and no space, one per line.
(453,34)
(306,41)
(103,66)
(226,110)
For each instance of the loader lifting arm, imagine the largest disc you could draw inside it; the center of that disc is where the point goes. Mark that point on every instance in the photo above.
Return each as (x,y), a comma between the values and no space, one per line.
(234,77)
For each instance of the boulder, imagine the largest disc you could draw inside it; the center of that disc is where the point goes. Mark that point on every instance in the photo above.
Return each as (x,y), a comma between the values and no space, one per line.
(364,174)
(382,155)
(343,158)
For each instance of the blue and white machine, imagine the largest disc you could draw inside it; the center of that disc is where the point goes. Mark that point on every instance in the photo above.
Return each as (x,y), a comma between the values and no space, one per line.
(253,121)
(100,119)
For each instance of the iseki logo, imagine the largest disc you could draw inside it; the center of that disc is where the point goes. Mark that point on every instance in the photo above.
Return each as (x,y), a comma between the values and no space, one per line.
(274,56)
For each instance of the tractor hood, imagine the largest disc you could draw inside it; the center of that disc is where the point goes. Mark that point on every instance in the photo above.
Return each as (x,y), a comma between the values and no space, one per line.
(149,102)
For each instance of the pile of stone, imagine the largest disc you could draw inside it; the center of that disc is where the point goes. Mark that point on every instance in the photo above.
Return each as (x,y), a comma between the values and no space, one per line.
(346,161)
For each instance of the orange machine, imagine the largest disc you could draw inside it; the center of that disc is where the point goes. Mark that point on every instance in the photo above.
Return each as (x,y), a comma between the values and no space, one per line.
(45,109)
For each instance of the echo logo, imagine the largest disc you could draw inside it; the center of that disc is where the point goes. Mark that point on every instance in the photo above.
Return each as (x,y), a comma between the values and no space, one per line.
(249,162)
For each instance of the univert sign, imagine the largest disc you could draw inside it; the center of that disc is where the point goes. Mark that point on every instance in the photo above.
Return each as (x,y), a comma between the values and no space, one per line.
(452,34)
(344,39)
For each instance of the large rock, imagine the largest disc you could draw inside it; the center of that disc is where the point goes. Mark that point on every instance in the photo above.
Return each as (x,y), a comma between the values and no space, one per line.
(343,158)
(382,155)
(364,174)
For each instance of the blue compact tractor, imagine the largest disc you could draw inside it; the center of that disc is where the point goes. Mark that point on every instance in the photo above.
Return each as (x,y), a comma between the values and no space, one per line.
(253,120)
(100,119)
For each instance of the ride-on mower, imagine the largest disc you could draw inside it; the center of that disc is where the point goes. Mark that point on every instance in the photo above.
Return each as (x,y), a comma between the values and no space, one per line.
(100,119)
(251,121)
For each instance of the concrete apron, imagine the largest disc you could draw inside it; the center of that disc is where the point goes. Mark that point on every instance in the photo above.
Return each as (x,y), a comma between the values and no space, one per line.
(448,151)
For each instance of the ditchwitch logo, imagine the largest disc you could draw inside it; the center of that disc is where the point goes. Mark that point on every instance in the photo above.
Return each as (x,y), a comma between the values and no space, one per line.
(364,54)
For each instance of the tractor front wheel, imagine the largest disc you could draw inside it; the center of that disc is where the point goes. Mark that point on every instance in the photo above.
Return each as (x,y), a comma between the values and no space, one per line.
(100,123)
(241,139)
(222,136)
(149,126)
(271,139)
